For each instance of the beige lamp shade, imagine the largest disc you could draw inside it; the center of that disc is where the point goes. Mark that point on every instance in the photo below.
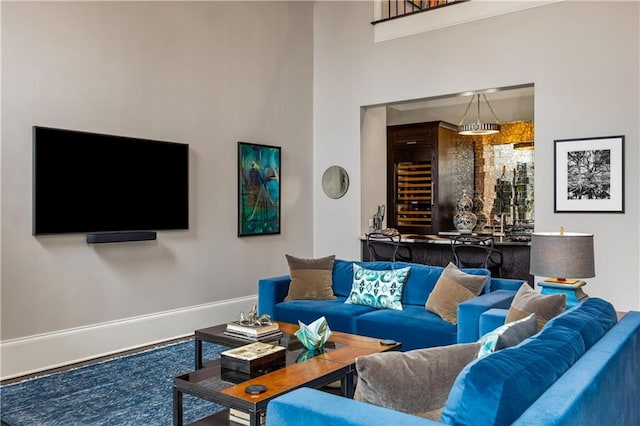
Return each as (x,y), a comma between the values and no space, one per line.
(562,255)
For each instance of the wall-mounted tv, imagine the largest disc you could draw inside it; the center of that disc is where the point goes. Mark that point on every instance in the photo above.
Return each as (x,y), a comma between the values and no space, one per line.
(93,183)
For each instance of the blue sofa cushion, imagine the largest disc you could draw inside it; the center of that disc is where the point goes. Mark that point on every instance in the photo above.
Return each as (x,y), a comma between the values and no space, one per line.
(340,316)
(419,284)
(378,289)
(498,388)
(414,327)
(592,318)
(343,273)
(311,407)
(423,278)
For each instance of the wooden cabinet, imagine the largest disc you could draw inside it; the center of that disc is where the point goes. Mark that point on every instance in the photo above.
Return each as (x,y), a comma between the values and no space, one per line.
(423,183)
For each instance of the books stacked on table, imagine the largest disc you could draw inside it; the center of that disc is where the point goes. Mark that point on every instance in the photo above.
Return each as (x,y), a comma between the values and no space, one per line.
(242,417)
(254,333)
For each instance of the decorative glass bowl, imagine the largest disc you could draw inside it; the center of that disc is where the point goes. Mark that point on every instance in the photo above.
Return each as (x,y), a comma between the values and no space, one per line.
(314,335)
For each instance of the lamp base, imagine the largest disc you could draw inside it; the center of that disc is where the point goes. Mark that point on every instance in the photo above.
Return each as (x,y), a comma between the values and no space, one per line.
(573,291)
(564,281)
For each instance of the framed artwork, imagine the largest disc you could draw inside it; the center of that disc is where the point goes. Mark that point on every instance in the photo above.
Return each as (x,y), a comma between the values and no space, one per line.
(589,175)
(258,189)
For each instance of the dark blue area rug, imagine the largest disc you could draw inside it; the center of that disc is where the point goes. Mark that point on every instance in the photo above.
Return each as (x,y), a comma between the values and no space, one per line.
(132,390)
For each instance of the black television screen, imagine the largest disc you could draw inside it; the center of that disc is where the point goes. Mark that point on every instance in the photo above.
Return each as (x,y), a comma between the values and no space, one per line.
(89,182)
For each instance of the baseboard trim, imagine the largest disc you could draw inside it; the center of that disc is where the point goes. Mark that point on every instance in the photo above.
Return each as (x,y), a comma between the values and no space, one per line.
(32,354)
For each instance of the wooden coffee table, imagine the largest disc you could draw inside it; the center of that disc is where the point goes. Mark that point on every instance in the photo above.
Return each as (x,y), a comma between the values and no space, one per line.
(336,362)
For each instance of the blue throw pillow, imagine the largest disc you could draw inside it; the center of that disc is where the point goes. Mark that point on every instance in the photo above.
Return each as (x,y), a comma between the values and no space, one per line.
(378,289)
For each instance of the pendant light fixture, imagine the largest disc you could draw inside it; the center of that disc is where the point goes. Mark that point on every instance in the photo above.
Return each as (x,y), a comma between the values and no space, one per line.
(478,128)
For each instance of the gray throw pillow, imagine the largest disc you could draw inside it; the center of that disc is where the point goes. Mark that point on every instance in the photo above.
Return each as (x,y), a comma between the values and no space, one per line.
(527,301)
(452,288)
(507,335)
(415,382)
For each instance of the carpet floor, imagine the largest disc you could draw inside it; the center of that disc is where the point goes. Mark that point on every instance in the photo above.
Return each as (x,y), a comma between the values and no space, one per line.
(132,390)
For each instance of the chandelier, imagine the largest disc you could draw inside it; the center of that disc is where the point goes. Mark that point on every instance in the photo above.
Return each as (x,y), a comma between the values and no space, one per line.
(478,128)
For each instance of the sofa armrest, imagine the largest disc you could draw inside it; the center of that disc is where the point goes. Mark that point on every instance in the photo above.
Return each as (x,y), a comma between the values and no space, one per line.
(492,319)
(469,312)
(272,291)
(506,284)
(310,407)
(601,388)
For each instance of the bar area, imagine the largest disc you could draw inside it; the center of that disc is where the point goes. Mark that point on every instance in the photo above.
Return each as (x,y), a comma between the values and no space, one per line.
(450,184)
(438,251)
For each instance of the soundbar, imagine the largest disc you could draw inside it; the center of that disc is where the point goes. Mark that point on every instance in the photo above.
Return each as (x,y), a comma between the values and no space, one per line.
(119,237)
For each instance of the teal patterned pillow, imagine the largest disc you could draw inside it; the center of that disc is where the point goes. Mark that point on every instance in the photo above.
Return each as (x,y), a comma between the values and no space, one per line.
(379,289)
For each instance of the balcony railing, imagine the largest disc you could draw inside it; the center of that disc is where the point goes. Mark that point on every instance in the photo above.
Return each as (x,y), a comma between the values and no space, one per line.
(392,9)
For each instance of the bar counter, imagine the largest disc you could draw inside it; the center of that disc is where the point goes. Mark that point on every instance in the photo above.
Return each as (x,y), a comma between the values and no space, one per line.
(436,250)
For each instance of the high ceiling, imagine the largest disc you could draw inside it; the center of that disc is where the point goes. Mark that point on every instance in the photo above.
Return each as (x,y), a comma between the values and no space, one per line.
(509,104)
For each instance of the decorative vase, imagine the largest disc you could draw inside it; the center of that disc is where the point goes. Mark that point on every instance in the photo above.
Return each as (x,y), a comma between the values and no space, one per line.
(465,203)
(481,217)
(478,203)
(481,221)
(464,220)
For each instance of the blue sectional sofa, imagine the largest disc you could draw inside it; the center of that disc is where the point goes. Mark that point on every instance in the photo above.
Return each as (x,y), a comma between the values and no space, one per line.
(414,326)
(582,368)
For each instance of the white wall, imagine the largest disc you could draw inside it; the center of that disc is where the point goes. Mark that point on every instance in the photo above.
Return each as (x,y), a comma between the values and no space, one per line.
(583,59)
(208,74)
(373,157)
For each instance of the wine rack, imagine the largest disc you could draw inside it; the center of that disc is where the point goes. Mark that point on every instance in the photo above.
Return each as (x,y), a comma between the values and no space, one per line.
(414,194)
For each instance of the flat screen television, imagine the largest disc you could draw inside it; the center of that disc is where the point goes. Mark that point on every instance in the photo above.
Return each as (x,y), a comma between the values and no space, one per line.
(94,183)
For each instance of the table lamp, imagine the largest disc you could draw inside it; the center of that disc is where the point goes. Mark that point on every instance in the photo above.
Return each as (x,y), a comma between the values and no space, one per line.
(565,256)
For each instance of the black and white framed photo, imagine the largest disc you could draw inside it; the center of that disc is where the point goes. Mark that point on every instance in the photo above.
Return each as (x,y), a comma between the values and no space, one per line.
(589,175)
